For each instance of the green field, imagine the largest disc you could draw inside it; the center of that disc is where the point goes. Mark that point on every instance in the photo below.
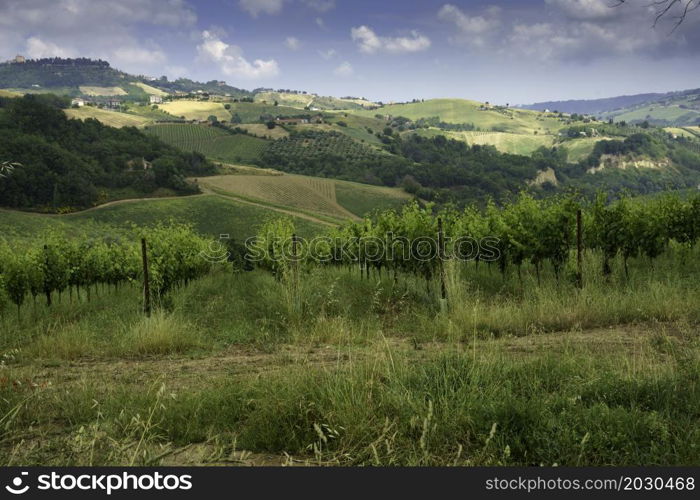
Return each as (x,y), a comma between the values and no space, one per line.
(110,118)
(464,111)
(363,199)
(209,214)
(340,200)
(520,144)
(212,142)
(580,149)
(196,110)
(672,114)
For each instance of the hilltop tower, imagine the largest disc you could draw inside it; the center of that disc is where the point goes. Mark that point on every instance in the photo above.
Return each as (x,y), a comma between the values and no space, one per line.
(19,59)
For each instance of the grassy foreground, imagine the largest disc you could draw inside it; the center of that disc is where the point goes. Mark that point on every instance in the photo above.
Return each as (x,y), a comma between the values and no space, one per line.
(335,369)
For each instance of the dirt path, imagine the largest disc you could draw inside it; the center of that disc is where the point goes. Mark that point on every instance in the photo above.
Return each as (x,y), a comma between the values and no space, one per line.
(300,215)
(205,192)
(180,372)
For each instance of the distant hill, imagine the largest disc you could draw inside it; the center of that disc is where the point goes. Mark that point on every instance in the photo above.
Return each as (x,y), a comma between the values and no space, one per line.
(680,108)
(594,106)
(85,77)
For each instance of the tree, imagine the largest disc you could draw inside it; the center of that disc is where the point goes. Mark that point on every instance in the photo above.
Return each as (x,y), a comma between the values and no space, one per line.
(271,125)
(676,9)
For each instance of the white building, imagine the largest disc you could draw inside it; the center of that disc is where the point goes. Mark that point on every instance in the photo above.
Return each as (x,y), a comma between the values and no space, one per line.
(155,99)
(78,102)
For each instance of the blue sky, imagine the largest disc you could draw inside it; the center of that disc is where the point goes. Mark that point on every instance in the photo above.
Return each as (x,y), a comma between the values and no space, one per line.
(501,51)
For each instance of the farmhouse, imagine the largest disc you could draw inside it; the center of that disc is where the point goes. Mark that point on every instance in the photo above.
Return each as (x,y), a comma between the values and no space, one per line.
(78,102)
(114,103)
(155,99)
(291,121)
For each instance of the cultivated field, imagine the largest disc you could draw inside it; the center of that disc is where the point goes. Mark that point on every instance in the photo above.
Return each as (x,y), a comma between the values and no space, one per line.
(210,141)
(110,118)
(464,111)
(261,130)
(9,93)
(363,199)
(196,110)
(253,112)
(102,91)
(285,99)
(580,149)
(521,144)
(151,90)
(209,214)
(306,194)
(335,369)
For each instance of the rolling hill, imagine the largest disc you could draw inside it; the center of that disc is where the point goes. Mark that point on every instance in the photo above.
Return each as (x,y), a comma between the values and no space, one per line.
(338,200)
(484,117)
(671,108)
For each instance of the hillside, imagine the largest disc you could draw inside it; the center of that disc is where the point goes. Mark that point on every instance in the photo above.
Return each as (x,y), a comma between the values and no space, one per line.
(339,200)
(482,116)
(96,78)
(313,102)
(213,142)
(665,109)
(64,164)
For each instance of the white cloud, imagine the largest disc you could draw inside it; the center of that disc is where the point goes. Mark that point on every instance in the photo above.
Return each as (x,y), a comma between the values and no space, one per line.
(582,40)
(370,43)
(476,31)
(37,48)
(586,9)
(231,62)
(138,56)
(344,70)
(327,54)
(175,72)
(320,23)
(320,5)
(257,7)
(103,29)
(292,43)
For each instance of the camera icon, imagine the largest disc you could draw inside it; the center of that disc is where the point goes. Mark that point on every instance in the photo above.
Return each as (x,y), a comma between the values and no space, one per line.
(16,487)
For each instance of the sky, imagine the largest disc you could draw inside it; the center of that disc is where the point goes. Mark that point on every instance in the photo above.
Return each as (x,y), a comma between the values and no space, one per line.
(509,51)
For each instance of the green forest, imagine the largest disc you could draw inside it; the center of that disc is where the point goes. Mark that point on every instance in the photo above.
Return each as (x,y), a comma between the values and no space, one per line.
(71,164)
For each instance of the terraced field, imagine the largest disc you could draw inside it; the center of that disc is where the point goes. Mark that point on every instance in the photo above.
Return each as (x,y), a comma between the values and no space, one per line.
(196,110)
(110,118)
(212,142)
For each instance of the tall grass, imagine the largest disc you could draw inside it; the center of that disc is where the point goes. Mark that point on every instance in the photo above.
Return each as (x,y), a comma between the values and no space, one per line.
(483,408)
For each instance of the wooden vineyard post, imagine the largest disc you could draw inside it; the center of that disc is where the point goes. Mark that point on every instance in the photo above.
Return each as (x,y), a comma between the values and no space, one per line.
(47,290)
(295,274)
(441,259)
(579,249)
(146,284)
